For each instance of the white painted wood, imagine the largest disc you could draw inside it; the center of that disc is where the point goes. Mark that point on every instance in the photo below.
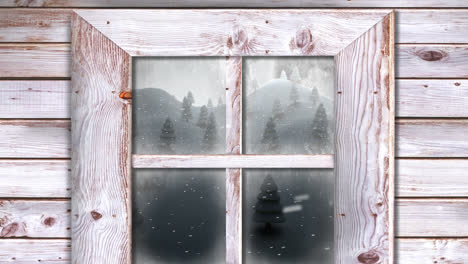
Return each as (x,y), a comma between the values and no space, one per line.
(238,3)
(35,178)
(34,218)
(432,138)
(432,98)
(233,146)
(431,217)
(232,32)
(34,99)
(443,251)
(26,251)
(431,61)
(34,139)
(432,178)
(33,60)
(232,161)
(35,25)
(101,139)
(364,148)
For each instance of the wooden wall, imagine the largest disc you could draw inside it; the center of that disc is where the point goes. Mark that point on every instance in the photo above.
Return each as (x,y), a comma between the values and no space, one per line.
(431,126)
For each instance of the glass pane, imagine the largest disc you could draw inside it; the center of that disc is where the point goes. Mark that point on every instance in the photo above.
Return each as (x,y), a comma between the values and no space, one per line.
(179,105)
(288,216)
(288,105)
(179,216)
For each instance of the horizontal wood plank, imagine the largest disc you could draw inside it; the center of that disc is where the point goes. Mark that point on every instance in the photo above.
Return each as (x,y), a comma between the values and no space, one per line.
(35,178)
(27,251)
(238,3)
(34,99)
(437,251)
(35,25)
(35,139)
(431,98)
(233,161)
(34,218)
(431,61)
(431,138)
(34,60)
(431,217)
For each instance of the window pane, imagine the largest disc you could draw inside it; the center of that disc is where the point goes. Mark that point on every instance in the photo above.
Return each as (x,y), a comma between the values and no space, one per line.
(179,216)
(179,105)
(288,105)
(288,216)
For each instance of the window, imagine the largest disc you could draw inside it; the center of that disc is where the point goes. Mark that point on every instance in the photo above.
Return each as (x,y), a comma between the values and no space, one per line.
(281,135)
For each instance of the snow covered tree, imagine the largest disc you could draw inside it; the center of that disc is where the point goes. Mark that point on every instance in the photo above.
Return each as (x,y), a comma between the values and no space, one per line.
(186,109)
(167,138)
(190,98)
(220,101)
(268,209)
(320,134)
(203,117)
(283,75)
(210,103)
(315,96)
(211,134)
(270,138)
(295,75)
(294,97)
(277,110)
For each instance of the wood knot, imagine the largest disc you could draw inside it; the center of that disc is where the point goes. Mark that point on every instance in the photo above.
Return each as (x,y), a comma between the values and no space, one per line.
(303,40)
(238,39)
(49,221)
(370,257)
(431,55)
(125,95)
(96,216)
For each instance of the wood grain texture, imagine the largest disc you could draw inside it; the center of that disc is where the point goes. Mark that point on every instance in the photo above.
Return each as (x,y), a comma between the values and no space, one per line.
(231,32)
(35,139)
(432,98)
(34,60)
(364,148)
(232,161)
(34,99)
(431,26)
(36,25)
(35,178)
(442,251)
(238,3)
(34,218)
(431,178)
(431,217)
(233,146)
(27,251)
(101,139)
(432,138)
(431,61)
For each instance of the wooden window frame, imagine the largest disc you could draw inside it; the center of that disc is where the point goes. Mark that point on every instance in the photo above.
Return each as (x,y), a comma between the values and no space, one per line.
(103,44)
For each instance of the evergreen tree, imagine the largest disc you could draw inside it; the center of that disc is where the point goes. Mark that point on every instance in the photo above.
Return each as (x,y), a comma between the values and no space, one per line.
(211,134)
(320,129)
(190,98)
(268,209)
(203,117)
(270,138)
(295,75)
(220,101)
(315,96)
(277,110)
(210,103)
(167,138)
(294,96)
(283,75)
(186,109)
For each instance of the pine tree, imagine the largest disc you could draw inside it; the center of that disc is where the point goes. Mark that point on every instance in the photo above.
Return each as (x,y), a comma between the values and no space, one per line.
(283,75)
(295,75)
(167,138)
(186,109)
(294,96)
(268,209)
(315,97)
(190,98)
(270,138)
(203,117)
(320,129)
(210,103)
(211,134)
(277,110)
